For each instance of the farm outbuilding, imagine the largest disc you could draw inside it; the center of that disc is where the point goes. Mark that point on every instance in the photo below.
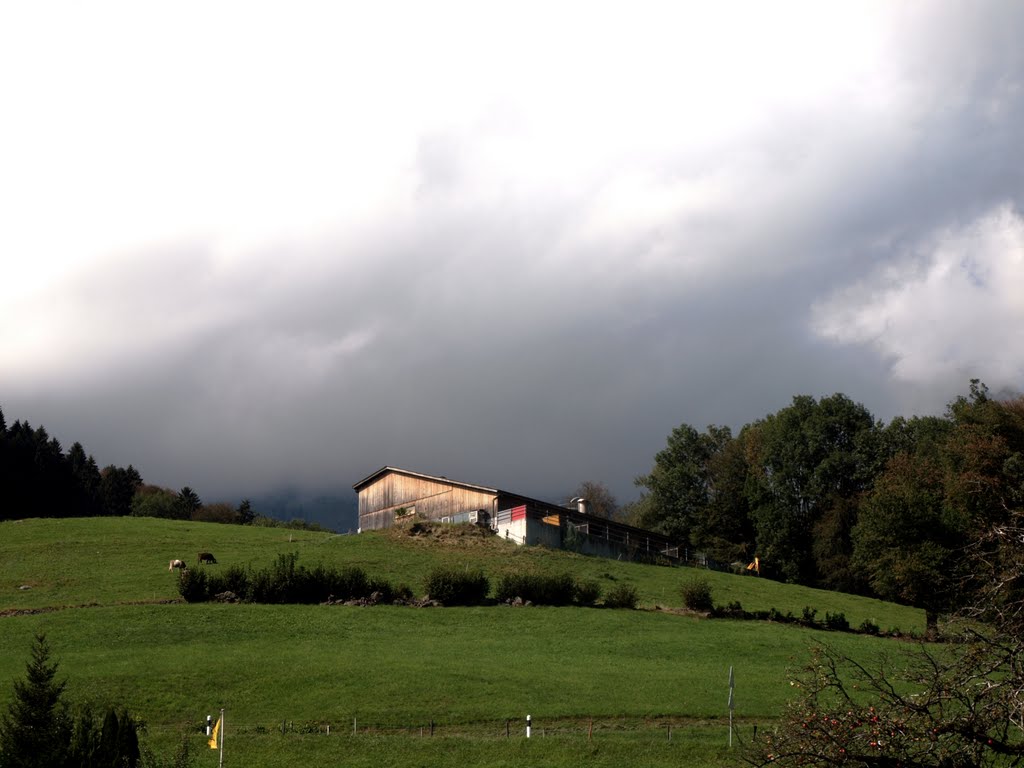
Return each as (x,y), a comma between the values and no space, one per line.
(390,495)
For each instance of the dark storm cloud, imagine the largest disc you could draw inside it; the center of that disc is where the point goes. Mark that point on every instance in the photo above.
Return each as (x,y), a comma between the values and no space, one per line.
(539,299)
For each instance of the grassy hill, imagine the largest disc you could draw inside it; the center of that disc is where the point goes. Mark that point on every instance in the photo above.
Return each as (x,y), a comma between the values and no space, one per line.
(101,591)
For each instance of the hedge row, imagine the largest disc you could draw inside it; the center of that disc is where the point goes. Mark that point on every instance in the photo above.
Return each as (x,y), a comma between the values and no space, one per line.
(287,582)
(455,586)
(545,589)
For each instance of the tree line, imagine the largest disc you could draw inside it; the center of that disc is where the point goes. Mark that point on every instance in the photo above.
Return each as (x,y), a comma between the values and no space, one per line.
(39,479)
(957,703)
(825,495)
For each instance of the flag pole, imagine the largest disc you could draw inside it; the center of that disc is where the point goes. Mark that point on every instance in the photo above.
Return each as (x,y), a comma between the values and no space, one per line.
(732,703)
(221,763)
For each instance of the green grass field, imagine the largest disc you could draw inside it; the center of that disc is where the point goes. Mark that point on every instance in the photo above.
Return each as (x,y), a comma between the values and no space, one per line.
(101,592)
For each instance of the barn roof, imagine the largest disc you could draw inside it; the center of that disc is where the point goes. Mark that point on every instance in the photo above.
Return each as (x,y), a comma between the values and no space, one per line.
(440,479)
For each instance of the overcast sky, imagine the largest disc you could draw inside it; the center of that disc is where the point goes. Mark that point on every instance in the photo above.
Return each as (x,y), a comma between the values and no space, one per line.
(250,245)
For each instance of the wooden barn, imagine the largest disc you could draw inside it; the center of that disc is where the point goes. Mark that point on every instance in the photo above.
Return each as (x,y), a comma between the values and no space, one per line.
(391,494)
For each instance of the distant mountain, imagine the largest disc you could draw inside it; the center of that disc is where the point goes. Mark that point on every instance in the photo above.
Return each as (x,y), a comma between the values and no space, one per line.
(337,512)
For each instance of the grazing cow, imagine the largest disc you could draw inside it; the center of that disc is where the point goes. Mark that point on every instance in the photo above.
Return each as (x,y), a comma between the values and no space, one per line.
(206,557)
(176,564)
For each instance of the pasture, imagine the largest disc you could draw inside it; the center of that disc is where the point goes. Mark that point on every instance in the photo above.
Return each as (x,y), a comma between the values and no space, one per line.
(101,592)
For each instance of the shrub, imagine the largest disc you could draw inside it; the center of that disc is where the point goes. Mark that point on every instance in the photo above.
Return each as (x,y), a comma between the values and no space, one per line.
(573,539)
(808,615)
(587,592)
(697,594)
(234,578)
(868,627)
(837,621)
(774,614)
(622,596)
(218,512)
(192,586)
(351,583)
(733,610)
(450,586)
(381,587)
(260,587)
(403,592)
(287,582)
(283,582)
(511,586)
(540,589)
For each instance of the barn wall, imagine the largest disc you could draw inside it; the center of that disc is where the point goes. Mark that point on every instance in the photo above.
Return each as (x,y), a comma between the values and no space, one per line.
(540,533)
(430,499)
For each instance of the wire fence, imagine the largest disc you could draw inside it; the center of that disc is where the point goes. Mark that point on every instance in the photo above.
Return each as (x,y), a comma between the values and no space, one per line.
(505,728)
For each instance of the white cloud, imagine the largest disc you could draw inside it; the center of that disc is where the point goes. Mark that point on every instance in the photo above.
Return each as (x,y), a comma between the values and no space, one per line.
(953,305)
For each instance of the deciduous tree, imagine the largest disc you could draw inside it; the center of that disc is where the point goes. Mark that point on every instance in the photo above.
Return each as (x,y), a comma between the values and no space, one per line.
(154,501)
(957,704)
(679,486)
(803,460)
(600,501)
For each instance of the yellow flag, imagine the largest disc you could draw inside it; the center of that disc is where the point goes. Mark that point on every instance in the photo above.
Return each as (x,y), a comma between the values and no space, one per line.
(216,730)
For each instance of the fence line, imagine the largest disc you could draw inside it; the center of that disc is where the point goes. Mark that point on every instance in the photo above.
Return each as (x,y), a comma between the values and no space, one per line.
(512,727)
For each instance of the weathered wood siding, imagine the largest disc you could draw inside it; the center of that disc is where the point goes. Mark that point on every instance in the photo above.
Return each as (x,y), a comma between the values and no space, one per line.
(430,499)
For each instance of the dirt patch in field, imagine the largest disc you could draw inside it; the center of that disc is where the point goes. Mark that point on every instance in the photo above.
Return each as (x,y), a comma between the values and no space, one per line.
(5,612)
(458,534)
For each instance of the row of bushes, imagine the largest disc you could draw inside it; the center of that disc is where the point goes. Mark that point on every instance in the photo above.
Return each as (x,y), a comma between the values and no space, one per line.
(288,582)
(451,586)
(696,594)
(834,621)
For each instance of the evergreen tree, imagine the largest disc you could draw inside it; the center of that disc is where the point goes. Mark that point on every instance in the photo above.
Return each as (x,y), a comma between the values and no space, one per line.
(245,513)
(189,501)
(118,743)
(117,488)
(87,480)
(36,730)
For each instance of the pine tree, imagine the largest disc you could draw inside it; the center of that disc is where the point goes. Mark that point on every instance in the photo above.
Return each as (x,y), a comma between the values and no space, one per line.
(188,501)
(87,482)
(245,513)
(36,730)
(118,742)
(117,487)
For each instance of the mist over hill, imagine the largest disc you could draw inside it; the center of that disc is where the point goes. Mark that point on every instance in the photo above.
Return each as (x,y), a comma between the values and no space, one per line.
(336,511)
